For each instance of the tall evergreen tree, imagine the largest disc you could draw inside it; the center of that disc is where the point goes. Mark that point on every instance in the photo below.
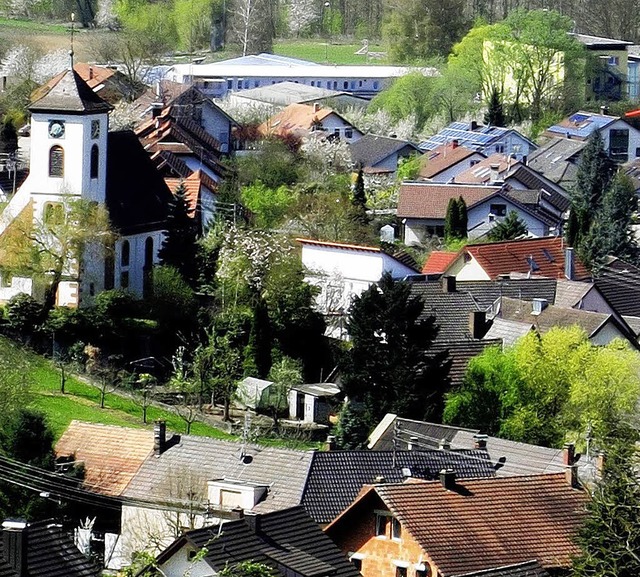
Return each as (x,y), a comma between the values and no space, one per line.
(179,249)
(495,110)
(452,220)
(463,218)
(511,227)
(257,357)
(610,537)
(595,172)
(359,201)
(389,367)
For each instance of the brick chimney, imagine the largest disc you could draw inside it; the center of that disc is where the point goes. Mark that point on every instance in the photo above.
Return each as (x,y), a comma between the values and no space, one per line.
(159,437)
(477,324)
(495,173)
(448,479)
(253,520)
(569,461)
(569,263)
(14,541)
(448,284)
(480,441)
(455,143)
(316,107)
(444,445)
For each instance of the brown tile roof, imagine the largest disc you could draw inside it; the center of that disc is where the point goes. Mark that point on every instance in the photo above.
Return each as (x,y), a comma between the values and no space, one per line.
(430,200)
(441,158)
(295,118)
(481,172)
(67,92)
(93,75)
(438,261)
(193,185)
(544,257)
(111,455)
(487,523)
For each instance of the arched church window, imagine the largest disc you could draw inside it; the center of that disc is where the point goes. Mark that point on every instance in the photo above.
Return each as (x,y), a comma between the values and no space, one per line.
(95,161)
(56,161)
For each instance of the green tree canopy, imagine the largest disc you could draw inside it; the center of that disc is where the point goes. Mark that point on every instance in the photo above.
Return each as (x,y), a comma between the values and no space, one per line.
(388,366)
(548,389)
(508,229)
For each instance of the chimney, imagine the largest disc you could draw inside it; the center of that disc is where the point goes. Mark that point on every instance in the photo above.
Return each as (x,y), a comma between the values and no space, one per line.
(330,443)
(604,110)
(455,143)
(480,441)
(525,160)
(253,520)
(413,442)
(448,479)
(569,461)
(448,284)
(14,541)
(495,172)
(156,109)
(90,72)
(316,107)
(444,445)
(378,480)
(477,324)
(601,460)
(159,437)
(473,125)
(539,305)
(569,263)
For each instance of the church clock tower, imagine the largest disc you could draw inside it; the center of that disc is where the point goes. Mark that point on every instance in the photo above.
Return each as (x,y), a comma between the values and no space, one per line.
(69,125)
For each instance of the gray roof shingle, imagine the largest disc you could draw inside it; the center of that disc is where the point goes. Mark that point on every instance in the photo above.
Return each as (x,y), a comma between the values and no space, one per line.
(526,569)
(203,459)
(336,477)
(68,93)
(486,292)
(371,149)
(619,283)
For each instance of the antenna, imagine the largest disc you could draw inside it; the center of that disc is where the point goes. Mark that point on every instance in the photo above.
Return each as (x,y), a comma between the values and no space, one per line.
(73,19)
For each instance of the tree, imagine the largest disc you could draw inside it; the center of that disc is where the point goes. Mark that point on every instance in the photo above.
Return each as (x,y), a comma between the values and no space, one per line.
(268,205)
(246,569)
(610,537)
(50,251)
(193,20)
(251,26)
(508,229)
(388,367)
(179,247)
(351,430)
(547,389)
(455,223)
(24,314)
(284,375)
(185,387)
(257,353)
(495,112)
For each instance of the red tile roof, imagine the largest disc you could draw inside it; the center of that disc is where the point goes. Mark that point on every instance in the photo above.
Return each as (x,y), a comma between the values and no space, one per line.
(441,158)
(481,172)
(193,185)
(438,261)
(486,523)
(430,200)
(295,118)
(112,455)
(544,257)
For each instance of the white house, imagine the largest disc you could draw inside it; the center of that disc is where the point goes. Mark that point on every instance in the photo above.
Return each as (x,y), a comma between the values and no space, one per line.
(311,403)
(73,156)
(620,139)
(254,71)
(343,271)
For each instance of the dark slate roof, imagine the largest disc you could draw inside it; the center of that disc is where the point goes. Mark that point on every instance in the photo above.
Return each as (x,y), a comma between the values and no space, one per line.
(619,283)
(514,458)
(486,292)
(558,160)
(137,196)
(526,569)
(372,149)
(50,553)
(451,310)
(285,540)
(336,477)
(460,353)
(68,93)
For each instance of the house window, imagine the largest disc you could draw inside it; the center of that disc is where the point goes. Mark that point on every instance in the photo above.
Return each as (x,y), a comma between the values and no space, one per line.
(353,85)
(619,144)
(336,132)
(95,161)
(498,209)
(637,152)
(229,84)
(92,289)
(124,279)
(500,148)
(125,253)
(56,161)
(375,85)
(313,83)
(396,528)
(382,521)
(348,132)
(401,572)
(359,83)
(335,85)
(423,571)
(613,60)
(345,85)
(357,563)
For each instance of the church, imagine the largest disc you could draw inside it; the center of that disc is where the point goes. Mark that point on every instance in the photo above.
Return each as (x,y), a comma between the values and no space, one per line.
(74,156)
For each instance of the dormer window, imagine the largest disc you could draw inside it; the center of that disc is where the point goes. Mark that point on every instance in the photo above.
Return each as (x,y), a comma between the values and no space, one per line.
(382,522)
(396,529)
(95,161)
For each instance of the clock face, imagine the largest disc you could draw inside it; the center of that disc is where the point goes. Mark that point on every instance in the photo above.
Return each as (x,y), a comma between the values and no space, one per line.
(95,129)
(56,128)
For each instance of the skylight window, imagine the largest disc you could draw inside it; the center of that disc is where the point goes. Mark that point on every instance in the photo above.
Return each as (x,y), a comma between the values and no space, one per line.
(548,255)
(533,265)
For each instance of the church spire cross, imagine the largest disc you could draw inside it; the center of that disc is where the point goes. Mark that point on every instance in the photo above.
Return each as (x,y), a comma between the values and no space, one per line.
(73,19)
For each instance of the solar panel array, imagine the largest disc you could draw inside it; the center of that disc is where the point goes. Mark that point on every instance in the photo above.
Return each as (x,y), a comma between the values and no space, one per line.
(461,132)
(582,124)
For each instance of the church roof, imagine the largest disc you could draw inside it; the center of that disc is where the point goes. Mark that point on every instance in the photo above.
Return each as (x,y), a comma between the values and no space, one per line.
(68,93)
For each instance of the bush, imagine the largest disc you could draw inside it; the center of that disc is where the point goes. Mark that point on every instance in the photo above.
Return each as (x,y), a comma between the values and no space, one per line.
(24,313)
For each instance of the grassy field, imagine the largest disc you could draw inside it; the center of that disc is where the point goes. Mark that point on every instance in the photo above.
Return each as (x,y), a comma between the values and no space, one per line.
(82,401)
(323,52)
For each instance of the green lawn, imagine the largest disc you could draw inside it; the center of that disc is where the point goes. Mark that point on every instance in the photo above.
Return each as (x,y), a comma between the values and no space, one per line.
(33,26)
(323,52)
(82,401)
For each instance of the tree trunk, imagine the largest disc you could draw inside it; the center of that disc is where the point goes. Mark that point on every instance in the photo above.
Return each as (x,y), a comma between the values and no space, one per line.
(227,409)
(63,378)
